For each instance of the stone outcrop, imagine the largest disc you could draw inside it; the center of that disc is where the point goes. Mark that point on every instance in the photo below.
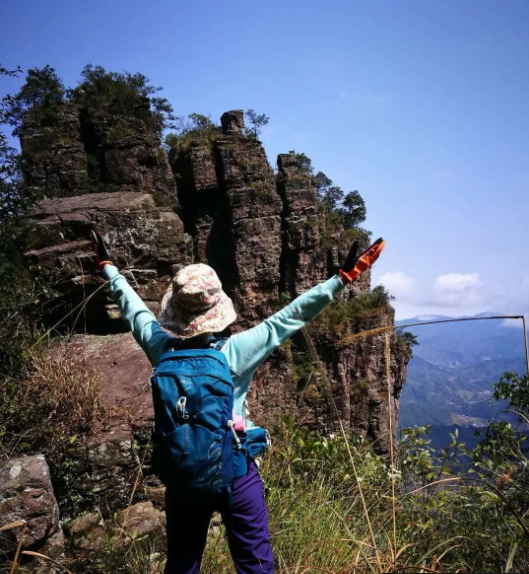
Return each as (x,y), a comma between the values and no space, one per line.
(56,164)
(70,150)
(26,495)
(232,122)
(265,235)
(142,521)
(231,207)
(304,260)
(147,241)
(100,474)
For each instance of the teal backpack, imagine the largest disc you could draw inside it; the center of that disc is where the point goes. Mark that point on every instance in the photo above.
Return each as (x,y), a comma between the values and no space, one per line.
(194,438)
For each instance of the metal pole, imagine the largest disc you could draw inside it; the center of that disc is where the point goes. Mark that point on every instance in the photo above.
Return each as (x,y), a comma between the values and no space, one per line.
(526,346)
(460,320)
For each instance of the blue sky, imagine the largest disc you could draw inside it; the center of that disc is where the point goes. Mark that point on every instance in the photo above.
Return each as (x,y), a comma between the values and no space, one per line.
(421,105)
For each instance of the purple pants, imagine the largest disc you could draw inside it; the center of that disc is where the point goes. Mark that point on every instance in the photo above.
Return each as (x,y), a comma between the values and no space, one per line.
(246,522)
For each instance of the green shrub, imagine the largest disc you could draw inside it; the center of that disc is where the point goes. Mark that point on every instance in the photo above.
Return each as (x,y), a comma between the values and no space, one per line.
(337,319)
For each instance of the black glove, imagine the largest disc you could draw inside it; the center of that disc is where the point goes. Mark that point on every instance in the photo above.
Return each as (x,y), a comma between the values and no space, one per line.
(100,249)
(352,257)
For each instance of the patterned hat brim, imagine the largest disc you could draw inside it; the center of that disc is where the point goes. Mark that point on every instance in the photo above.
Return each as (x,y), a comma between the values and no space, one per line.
(187,324)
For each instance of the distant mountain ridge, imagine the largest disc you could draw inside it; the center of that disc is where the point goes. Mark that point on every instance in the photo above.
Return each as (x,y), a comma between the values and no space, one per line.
(451,377)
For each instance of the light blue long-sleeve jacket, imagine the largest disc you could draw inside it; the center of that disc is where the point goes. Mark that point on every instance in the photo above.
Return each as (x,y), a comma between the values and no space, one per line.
(244,351)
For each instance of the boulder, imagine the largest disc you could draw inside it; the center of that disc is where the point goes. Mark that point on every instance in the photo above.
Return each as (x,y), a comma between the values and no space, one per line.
(104,474)
(26,494)
(140,521)
(232,122)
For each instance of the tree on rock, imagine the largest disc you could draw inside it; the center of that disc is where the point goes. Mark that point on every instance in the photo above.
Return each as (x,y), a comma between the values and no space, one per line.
(350,207)
(122,94)
(353,209)
(43,89)
(257,122)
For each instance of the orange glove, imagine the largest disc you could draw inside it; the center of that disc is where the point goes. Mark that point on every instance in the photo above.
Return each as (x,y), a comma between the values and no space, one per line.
(355,264)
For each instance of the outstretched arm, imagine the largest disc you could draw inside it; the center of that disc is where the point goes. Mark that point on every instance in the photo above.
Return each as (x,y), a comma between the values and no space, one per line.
(246,351)
(140,320)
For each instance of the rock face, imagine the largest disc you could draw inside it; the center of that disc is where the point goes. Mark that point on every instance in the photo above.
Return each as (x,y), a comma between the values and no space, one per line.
(231,207)
(26,494)
(142,521)
(147,240)
(100,475)
(71,150)
(304,260)
(265,235)
(232,122)
(56,162)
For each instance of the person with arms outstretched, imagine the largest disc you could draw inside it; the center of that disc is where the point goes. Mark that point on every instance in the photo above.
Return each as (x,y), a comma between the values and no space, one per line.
(218,370)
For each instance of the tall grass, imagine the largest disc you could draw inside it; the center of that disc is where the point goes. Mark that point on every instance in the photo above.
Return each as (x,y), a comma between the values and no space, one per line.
(446,520)
(317,520)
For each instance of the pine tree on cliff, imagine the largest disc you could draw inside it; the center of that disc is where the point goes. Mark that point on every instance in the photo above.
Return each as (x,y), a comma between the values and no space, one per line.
(43,88)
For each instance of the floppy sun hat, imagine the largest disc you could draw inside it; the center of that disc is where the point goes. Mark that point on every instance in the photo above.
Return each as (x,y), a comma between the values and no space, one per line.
(196,303)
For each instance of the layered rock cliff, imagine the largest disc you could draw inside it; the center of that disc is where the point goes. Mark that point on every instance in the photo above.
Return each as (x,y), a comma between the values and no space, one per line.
(264,233)
(214,198)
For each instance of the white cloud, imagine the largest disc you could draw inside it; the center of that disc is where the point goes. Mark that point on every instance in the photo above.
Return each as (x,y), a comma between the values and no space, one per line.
(458,290)
(399,284)
(453,294)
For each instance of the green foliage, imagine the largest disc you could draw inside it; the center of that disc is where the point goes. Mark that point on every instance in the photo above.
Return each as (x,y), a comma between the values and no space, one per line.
(10,73)
(318,522)
(17,292)
(3,139)
(304,163)
(353,210)
(330,195)
(338,317)
(100,92)
(408,339)
(12,197)
(123,94)
(257,123)
(330,505)
(515,389)
(43,89)
(187,129)
(349,210)
(201,123)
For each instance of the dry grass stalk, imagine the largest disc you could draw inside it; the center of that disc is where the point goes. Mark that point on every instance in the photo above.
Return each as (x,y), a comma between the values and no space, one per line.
(323,372)
(38,555)
(14,566)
